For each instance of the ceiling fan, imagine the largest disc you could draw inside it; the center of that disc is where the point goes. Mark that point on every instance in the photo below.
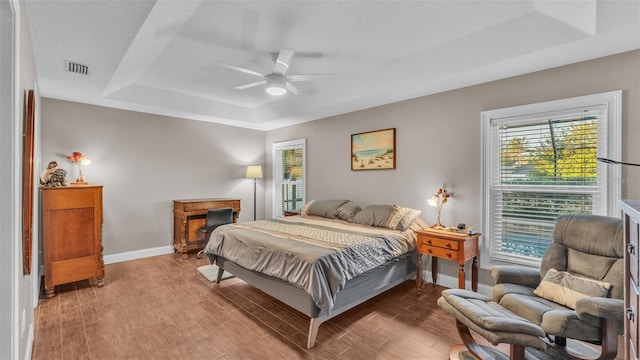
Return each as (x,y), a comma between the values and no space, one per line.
(277,82)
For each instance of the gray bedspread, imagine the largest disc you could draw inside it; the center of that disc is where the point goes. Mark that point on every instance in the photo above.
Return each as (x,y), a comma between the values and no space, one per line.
(315,254)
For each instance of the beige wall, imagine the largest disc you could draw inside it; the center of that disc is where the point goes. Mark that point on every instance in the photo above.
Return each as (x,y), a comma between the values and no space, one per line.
(28,288)
(145,161)
(439,142)
(18,297)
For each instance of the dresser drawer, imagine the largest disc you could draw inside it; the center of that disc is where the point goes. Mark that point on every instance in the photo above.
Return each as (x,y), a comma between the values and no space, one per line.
(435,242)
(439,252)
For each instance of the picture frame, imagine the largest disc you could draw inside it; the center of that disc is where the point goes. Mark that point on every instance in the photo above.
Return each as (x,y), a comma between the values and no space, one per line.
(373,150)
(28,182)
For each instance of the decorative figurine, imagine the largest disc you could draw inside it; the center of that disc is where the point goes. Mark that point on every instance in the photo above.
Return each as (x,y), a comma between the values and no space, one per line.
(46,173)
(52,176)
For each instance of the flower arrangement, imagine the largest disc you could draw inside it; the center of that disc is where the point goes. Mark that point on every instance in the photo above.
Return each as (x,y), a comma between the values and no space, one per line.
(78,158)
(438,200)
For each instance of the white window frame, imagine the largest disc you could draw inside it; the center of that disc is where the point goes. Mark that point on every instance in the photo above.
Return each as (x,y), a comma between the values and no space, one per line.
(277,147)
(611,133)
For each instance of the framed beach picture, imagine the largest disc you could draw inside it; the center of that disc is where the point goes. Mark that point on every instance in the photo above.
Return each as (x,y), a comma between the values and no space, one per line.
(374,150)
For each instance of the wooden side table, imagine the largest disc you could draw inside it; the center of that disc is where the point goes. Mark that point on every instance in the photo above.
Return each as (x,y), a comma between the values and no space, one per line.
(444,244)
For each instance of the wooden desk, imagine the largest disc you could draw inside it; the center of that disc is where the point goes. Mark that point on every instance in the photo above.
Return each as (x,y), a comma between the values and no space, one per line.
(190,215)
(450,246)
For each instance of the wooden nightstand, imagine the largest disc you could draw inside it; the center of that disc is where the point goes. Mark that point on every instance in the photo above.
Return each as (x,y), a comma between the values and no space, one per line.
(448,245)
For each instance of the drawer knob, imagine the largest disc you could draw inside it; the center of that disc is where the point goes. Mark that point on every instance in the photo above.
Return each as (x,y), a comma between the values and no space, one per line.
(428,242)
(429,251)
(448,255)
(630,314)
(448,245)
(631,248)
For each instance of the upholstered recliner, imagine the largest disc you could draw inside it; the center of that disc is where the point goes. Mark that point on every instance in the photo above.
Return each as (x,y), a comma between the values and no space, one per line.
(584,246)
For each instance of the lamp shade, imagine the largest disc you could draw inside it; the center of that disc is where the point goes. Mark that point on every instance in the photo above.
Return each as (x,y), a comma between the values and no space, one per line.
(254,172)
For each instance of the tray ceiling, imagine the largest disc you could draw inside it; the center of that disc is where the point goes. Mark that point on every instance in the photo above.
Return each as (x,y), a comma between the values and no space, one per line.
(164,56)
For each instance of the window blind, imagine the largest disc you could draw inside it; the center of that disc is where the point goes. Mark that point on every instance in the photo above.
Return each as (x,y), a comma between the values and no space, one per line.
(542,166)
(289,177)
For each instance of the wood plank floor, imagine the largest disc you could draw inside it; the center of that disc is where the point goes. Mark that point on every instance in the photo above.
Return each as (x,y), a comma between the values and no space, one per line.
(162,308)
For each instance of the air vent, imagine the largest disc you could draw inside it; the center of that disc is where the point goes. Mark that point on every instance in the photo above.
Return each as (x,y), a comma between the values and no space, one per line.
(75,67)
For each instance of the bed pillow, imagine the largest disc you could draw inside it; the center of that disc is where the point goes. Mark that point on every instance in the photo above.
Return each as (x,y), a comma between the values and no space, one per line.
(374,215)
(347,211)
(418,224)
(563,288)
(402,217)
(324,208)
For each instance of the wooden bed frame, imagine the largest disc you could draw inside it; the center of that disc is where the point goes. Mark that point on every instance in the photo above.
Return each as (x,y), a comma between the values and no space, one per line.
(355,292)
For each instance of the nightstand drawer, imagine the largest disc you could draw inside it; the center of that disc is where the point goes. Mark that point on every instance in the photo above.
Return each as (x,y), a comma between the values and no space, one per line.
(439,252)
(441,243)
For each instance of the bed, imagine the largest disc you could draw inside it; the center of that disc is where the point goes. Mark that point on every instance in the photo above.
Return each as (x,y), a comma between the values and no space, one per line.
(331,258)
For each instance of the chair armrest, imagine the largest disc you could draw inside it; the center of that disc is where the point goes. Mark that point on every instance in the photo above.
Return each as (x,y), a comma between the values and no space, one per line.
(601,307)
(516,275)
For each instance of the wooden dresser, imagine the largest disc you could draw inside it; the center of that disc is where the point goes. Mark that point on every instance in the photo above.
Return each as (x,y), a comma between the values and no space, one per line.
(190,215)
(631,210)
(72,235)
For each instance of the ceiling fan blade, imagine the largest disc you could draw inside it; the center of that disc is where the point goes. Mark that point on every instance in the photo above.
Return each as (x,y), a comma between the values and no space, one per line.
(294,90)
(309,77)
(238,68)
(250,85)
(299,54)
(283,61)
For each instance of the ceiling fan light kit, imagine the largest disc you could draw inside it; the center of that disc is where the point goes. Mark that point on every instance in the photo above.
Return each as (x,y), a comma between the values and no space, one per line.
(276,85)
(278,82)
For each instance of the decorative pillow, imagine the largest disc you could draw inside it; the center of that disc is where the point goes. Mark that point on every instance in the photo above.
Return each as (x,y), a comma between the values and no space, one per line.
(347,211)
(374,215)
(563,288)
(306,207)
(324,208)
(402,217)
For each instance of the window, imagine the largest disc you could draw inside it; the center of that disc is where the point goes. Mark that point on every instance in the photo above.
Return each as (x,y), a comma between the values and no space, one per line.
(288,176)
(539,162)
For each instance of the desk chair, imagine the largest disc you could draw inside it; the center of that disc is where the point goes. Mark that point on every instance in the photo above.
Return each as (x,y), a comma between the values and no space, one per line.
(215,218)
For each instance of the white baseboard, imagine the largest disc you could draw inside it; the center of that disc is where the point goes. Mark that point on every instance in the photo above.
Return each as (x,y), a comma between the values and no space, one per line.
(29,347)
(452,283)
(137,254)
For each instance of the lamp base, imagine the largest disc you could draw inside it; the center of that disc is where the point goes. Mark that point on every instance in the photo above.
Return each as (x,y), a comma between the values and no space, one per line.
(438,226)
(79,181)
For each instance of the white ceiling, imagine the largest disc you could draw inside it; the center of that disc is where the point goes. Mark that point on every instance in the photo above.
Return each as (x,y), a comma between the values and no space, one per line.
(161,56)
